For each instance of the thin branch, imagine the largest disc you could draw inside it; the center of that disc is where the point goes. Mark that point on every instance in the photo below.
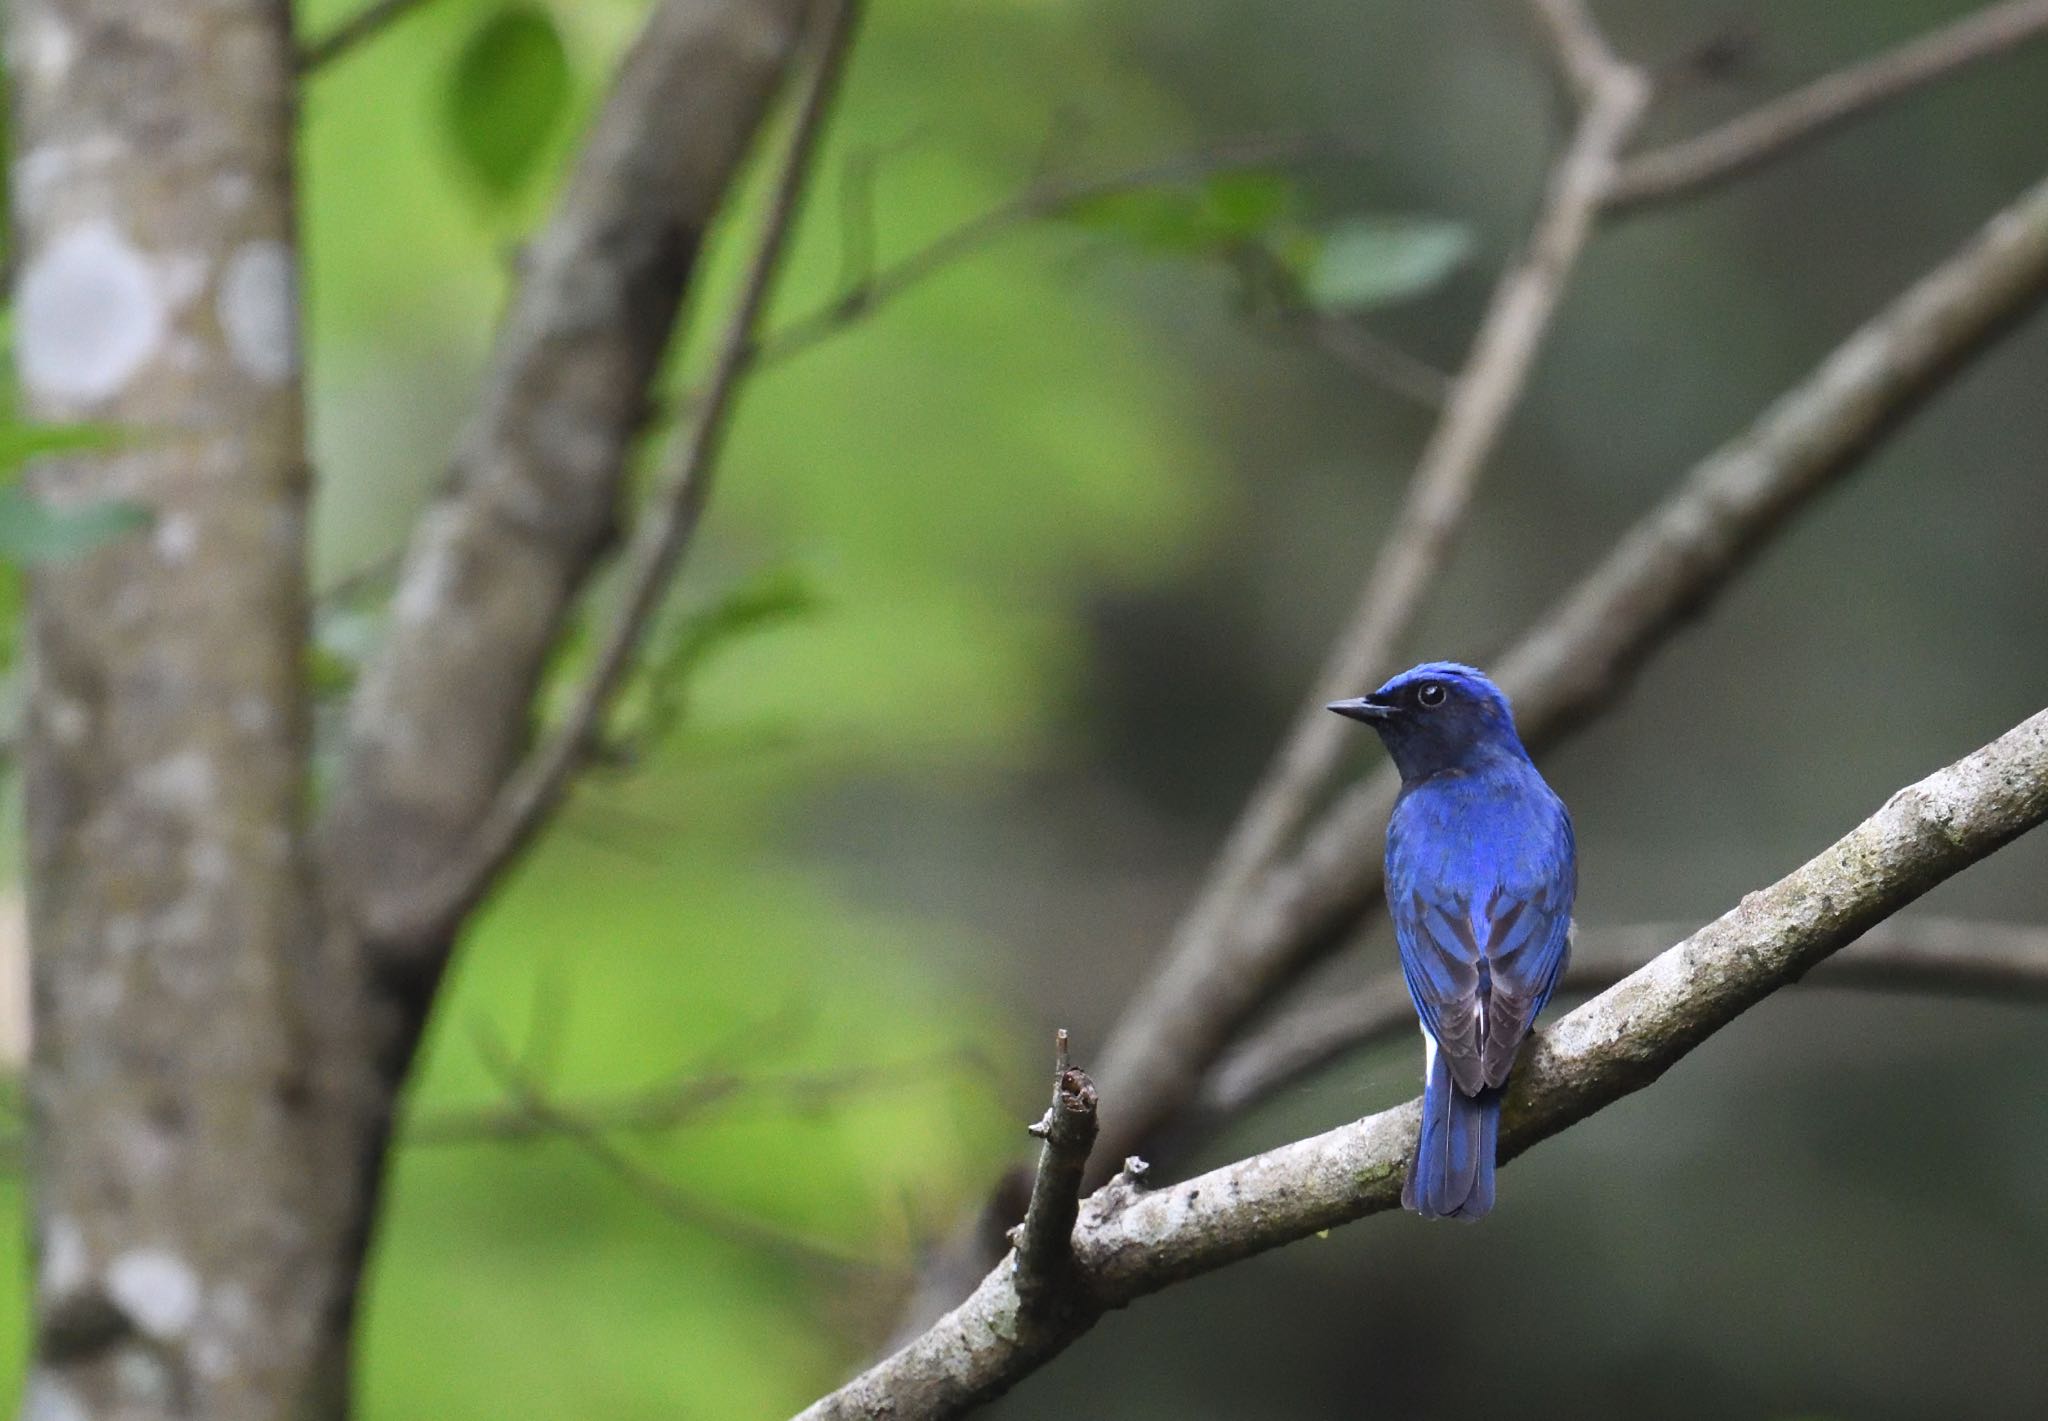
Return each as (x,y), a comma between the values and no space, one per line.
(671,1105)
(550,1119)
(658,546)
(1376,361)
(1045,1258)
(1044,198)
(2005,962)
(1132,1242)
(366,24)
(1577,46)
(1766,133)
(1159,1047)
(1576,662)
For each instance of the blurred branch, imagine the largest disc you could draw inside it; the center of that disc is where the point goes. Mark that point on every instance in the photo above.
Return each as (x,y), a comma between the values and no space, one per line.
(2003,962)
(426,911)
(366,24)
(526,1096)
(1768,132)
(1578,47)
(1184,1015)
(1376,361)
(1132,1242)
(671,1105)
(1043,198)
(1045,1258)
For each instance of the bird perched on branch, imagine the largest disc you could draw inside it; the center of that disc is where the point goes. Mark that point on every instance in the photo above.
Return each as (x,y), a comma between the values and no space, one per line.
(1481,872)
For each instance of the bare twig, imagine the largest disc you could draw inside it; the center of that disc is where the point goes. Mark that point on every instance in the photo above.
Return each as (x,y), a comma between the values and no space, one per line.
(1575,663)
(1577,46)
(366,24)
(1953,957)
(1045,197)
(1766,133)
(1132,1242)
(1045,1239)
(671,1105)
(527,1096)
(1378,362)
(1160,1046)
(659,542)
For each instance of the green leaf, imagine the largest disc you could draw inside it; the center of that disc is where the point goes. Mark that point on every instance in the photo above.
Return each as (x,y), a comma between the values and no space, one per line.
(508,92)
(1371,261)
(1226,211)
(765,600)
(31,532)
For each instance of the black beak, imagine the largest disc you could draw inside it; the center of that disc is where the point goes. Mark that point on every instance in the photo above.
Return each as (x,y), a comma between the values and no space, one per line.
(1364,708)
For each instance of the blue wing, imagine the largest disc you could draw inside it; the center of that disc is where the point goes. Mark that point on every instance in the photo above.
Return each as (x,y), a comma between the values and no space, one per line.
(1483,925)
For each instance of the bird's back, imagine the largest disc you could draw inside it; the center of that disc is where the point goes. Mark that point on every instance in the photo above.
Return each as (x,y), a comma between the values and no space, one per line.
(1481,874)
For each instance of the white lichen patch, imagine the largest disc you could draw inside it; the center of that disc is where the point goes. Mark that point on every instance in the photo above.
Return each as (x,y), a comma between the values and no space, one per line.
(233,190)
(47,1399)
(209,862)
(44,48)
(429,582)
(182,277)
(182,781)
(124,935)
(252,715)
(89,315)
(37,174)
(156,1289)
(66,1263)
(68,722)
(258,309)
(176,538)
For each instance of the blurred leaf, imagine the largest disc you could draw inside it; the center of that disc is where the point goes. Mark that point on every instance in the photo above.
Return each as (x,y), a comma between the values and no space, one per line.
(330,676)
(21,442)
(30,532)
(510,88)
(761,601)
(1228,210)
(1370,261)
(753,605)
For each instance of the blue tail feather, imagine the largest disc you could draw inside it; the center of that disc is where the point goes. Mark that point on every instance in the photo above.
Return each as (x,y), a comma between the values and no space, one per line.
(1451,1175)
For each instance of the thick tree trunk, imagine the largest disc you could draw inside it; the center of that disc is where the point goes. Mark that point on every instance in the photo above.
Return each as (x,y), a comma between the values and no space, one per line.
(176,1097)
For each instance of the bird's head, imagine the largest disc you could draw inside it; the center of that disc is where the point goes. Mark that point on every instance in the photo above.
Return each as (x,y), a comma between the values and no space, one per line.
(1437,716)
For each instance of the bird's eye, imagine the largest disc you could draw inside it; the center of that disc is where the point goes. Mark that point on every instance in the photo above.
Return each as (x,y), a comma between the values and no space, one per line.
(1430,694)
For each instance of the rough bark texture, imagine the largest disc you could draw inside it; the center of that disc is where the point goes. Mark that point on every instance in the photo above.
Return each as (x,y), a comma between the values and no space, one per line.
(1133,1241)
(171,917)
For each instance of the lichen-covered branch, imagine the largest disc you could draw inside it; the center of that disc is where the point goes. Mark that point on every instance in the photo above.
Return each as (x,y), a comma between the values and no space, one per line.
(1764,134)
(1953,957)
(179,1267)
(1132,1242)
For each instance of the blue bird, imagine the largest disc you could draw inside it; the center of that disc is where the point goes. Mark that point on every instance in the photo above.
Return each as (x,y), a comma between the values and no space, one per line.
(1481,872)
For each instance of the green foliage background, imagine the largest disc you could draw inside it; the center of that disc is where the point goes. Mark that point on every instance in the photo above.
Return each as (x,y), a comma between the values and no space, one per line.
(1004,594)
